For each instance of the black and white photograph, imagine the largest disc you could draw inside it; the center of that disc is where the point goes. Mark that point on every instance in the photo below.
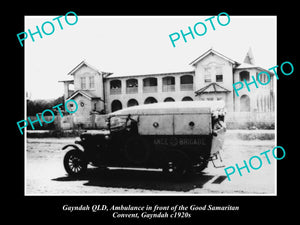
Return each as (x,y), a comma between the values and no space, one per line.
(154,117)
(143,113)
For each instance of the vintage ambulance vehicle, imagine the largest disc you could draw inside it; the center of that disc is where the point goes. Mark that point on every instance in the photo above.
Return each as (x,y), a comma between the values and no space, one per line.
(177,137)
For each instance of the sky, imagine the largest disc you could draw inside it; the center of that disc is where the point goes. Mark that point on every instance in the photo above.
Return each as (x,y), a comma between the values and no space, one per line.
(137,45)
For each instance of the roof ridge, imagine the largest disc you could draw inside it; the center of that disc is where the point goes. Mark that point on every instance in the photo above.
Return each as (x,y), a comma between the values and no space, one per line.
(212,51)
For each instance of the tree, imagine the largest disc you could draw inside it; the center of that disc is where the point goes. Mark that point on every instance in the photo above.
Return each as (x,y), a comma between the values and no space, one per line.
(38,106)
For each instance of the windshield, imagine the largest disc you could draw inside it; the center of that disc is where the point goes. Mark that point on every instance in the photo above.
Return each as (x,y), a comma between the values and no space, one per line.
(118,122)
(123,121)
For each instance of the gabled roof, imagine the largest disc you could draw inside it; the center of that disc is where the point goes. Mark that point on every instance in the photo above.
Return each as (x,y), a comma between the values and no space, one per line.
(251,66)
(82,63)
(210,88)
(86,94)
(248,66)
(211,51)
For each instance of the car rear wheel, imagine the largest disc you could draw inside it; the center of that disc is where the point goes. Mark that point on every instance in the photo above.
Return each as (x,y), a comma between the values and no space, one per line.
(74,162)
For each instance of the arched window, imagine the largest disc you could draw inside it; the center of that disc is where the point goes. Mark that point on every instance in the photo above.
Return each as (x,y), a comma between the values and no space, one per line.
(131,86)
(169,99)
(116,105)
(168,84)
(132,102)
(187,98)
(186,83)
(150,100)
(245,103)
(150,85)
(115,87)
(244,75)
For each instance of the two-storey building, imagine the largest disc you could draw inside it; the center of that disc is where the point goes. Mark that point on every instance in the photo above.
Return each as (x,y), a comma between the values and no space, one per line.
(212,78)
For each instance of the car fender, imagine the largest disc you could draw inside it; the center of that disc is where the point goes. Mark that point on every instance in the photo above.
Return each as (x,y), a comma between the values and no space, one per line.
(76,146)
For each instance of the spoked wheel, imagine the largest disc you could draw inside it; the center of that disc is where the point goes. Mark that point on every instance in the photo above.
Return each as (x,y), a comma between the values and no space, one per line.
(75,163)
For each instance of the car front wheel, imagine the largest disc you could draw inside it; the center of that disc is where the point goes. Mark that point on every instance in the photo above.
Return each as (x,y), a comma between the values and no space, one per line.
(74,162)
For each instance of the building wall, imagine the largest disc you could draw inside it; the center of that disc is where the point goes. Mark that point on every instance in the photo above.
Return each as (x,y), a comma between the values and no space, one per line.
(177,94)
(261,99)
(159,93)
(213,61)
(85,106)
(85,72)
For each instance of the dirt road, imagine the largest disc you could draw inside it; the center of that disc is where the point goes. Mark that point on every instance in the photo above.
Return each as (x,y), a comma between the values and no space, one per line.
(45,175)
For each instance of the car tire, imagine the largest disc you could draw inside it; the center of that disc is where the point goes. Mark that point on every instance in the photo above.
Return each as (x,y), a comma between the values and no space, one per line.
(75,163)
